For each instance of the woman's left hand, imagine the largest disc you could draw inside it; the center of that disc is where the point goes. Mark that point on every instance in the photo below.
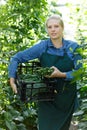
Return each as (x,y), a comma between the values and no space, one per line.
(57,73)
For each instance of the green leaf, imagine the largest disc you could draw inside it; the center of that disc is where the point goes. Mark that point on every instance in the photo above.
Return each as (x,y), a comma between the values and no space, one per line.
(19,118)
(8,116)
(11,125)
(21,127)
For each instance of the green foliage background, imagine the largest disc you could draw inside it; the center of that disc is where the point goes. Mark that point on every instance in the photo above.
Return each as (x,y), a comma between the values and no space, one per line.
(22,25)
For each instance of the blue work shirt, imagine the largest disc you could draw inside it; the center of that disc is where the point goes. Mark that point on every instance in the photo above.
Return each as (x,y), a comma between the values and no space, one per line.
(40,47)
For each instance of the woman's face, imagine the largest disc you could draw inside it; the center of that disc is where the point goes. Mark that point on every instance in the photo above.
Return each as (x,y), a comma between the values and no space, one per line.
(54,28)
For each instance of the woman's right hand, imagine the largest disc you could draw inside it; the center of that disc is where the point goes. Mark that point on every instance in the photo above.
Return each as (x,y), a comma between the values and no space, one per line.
(13,85)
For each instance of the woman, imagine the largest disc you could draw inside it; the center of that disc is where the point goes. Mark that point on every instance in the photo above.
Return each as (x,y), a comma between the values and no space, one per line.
(58,53)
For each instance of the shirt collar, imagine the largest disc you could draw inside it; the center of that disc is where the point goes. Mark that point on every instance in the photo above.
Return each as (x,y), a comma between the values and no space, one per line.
(50,44)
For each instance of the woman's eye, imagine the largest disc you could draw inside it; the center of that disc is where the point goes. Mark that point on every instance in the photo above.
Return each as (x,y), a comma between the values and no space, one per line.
(56,26)
(49,27)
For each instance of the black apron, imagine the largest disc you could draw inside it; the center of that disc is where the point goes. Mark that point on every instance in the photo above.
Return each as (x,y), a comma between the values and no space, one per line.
(57,114)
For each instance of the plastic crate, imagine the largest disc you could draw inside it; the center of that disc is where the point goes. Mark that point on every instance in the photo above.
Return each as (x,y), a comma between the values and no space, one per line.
(32,87)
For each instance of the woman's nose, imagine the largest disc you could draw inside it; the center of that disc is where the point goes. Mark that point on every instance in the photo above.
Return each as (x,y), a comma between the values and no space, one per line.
(53,28)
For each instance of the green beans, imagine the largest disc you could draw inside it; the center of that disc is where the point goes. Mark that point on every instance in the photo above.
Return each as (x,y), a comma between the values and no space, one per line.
(44,71)
(37,74)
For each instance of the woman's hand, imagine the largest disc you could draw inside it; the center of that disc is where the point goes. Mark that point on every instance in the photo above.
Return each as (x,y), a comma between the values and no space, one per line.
(57,73)
(13,85)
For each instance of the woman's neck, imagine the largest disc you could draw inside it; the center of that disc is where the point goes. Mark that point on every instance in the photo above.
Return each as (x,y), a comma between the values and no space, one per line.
(57,42)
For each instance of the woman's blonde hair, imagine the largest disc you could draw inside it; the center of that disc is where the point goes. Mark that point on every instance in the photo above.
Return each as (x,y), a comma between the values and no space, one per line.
(55,16)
